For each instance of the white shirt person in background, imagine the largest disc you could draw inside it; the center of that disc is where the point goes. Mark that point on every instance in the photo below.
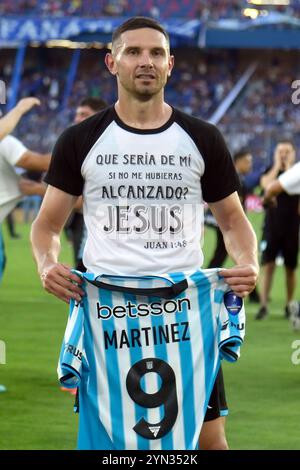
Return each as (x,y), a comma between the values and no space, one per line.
(13,156)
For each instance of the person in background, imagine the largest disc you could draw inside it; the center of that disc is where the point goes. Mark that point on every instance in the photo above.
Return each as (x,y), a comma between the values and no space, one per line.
(10,221)
(74,227)
(14,154)
(243,165)
(280,230)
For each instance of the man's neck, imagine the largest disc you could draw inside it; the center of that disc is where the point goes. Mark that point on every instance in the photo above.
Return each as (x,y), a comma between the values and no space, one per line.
(143,115)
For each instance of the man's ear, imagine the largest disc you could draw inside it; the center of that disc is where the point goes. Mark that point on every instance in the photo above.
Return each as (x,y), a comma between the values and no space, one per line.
(110,63)
(171,65)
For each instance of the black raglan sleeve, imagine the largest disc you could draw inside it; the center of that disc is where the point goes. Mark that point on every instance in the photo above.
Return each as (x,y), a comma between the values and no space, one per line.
(65,168)
(220,178)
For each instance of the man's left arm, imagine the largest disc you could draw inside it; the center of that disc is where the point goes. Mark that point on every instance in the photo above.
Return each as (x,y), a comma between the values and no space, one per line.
(241,244)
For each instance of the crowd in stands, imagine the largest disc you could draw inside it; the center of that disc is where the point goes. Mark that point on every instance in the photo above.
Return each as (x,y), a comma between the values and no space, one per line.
(198,86)
(200,81)
(44,76)
(265,108)
(205,9)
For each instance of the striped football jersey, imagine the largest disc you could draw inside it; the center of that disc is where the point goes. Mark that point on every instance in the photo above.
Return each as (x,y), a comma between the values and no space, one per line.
(145,352)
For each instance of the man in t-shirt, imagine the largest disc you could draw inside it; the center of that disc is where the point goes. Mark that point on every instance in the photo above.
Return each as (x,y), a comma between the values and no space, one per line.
(280,231)
(75,225)
(288,182)
(144,169)
(243,165)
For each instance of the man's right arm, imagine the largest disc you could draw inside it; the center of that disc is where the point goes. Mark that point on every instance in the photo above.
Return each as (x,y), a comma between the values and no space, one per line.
(56,277)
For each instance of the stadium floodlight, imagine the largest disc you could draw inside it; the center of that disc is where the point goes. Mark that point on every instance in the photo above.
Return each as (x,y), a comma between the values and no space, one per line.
(66,43)
(253,13)
(99,45)
(270,2)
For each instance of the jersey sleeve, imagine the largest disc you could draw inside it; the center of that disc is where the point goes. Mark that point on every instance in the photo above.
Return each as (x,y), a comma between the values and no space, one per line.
(220,178)
(12,149)
(231,327)
(72,355)
(65,168)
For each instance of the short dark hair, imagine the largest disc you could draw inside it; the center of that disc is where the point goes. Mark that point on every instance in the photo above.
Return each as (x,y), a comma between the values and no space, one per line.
(96,104)
(285,140)
(138,22)
(241,154)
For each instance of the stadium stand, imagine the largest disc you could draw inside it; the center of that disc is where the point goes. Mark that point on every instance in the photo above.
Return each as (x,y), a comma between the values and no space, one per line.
(205,9)
(265,105)
(198,85)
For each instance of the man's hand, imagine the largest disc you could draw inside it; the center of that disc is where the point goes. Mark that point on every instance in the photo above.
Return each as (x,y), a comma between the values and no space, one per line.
(26,104)
(58,280)
(278,158)
(241,278)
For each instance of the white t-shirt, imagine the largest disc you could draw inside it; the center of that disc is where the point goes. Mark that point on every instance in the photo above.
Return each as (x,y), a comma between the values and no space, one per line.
(290,180)
(11,150)
(143,189)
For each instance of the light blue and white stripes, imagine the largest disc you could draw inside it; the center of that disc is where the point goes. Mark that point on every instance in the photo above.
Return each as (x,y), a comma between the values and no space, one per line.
(185,332)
